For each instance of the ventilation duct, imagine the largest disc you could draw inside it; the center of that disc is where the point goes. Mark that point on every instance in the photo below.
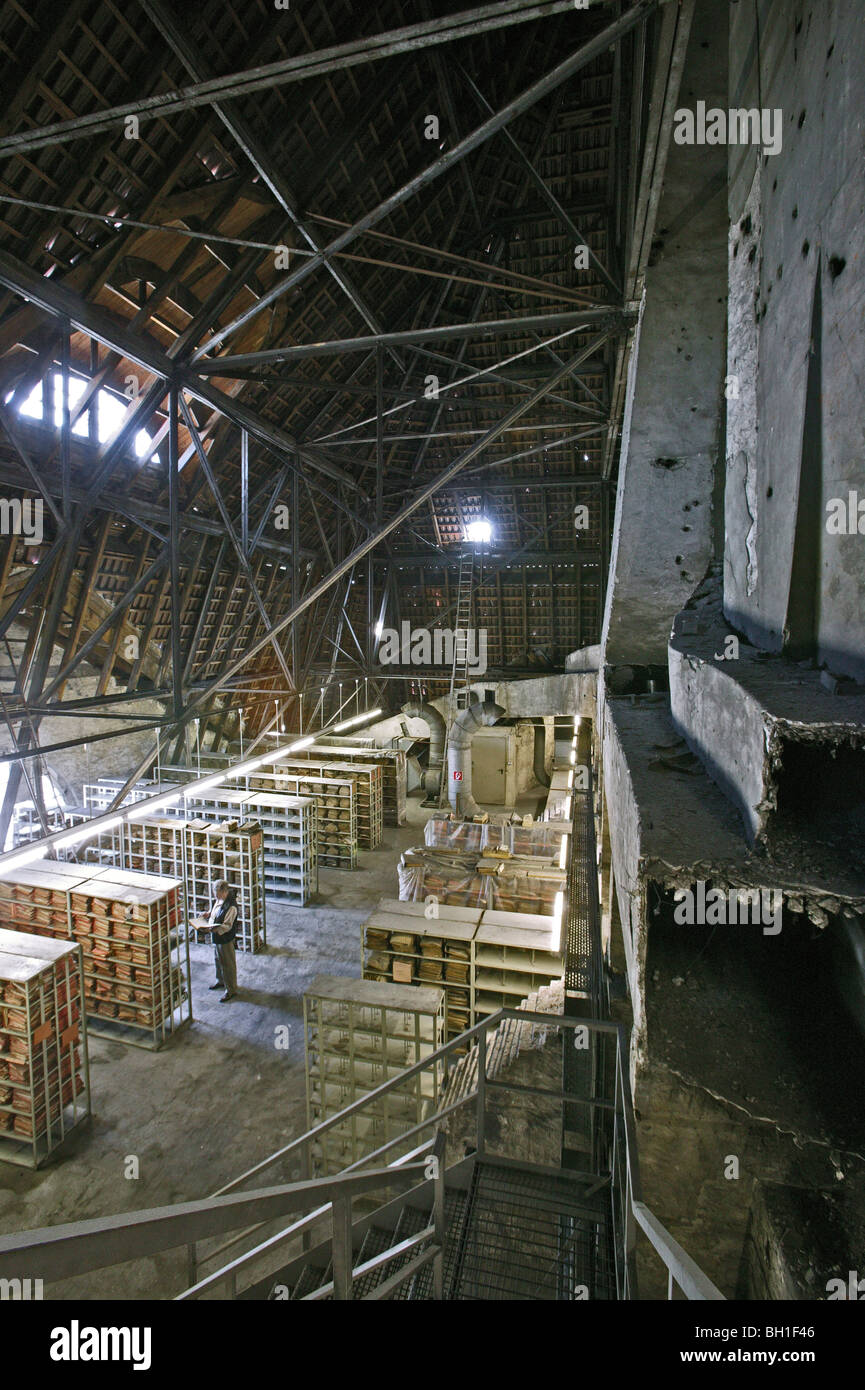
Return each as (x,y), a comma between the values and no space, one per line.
(540,753)
(437,735)
(467,722)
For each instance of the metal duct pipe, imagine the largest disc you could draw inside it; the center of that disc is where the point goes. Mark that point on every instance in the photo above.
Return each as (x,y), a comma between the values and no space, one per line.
(539,765)
(437,736)
(460,752)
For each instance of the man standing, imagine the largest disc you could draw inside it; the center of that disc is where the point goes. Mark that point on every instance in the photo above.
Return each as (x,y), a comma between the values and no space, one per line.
(222,924)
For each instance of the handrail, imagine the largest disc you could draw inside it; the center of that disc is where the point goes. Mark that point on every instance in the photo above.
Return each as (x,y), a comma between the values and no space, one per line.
(688,1275)
(65,1250)
(62,1251)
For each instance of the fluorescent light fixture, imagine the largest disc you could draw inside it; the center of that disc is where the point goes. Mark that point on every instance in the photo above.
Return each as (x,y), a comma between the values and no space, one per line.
(567,810)
(379,628)
(563,851)
(301,743)
(206,782)
(357,719)
(479,532)
(86,832)
(573,756)
(29,856)
(243,768)
(570,779)
(147,808)
(557,916)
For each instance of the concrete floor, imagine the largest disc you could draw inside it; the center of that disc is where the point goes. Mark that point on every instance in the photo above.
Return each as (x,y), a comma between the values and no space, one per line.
(220,1096)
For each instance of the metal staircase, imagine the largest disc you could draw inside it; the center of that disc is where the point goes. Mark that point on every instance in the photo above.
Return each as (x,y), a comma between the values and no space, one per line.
(460,687)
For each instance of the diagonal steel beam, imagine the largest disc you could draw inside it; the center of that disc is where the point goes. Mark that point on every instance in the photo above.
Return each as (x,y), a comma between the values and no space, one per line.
(467,24)
(377,536)
(584,55)
(546,193)
(482,329)
(204,463)
(61,302)
(256,153)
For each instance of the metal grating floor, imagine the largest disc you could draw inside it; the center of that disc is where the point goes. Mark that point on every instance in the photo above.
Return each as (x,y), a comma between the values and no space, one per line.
(530,1235)
(583,925)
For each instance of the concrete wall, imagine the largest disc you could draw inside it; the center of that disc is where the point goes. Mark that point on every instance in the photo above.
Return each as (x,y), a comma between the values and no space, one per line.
(806,234)
(673,428)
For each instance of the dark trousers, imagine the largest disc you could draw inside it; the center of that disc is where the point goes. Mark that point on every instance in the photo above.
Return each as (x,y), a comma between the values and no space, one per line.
(226,967)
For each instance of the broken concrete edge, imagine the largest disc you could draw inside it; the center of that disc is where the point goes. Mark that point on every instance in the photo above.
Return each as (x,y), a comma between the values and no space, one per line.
(722,692)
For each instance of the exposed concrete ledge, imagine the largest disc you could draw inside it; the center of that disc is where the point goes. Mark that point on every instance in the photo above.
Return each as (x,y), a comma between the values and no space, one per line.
(671,825)
(735,713)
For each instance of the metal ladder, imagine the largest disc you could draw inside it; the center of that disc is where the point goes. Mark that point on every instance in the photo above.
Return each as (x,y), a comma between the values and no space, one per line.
(458,693)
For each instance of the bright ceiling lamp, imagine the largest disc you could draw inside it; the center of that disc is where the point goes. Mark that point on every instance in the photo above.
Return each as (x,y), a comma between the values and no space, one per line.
(479,532)
(292,748)
(242,769)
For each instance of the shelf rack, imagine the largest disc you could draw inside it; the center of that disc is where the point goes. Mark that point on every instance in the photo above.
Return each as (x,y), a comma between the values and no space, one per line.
(366,783)
(233,852)
(540,840)
(201,852)
(288,830)
(335,815)
(359,1034)
(482,959)
(393,765)
(128,927)
(514,954)
(44,1072)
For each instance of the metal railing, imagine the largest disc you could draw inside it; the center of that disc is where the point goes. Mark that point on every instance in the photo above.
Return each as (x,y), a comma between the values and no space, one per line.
(64,1251)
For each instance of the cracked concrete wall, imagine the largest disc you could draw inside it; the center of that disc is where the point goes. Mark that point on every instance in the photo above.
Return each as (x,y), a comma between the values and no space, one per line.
(672,437)
(807,213)
(623,822)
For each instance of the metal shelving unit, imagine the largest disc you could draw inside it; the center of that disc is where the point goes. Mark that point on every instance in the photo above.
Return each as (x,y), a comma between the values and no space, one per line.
(481,958)
(510,883)
(393,765)
(335,812)
(44,1073)
(128,927)
(366,777)
(136,958)
(200,852)
(288,830)
(359,1034)
(234,853)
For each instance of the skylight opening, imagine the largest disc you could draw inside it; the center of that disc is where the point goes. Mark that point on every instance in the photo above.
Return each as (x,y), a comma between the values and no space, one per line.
(110,411)
(479,532)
